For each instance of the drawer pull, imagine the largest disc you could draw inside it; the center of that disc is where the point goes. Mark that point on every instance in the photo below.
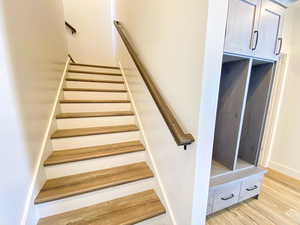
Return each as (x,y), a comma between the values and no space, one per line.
(230,197)
(253,188)
(256,40)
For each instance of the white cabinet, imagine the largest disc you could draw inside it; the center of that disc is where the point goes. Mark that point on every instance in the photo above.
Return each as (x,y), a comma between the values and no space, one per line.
(242,23)
(254,28)
(270,30)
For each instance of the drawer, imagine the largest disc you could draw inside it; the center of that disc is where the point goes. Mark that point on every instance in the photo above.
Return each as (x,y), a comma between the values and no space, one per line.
(250,187)
(226,195)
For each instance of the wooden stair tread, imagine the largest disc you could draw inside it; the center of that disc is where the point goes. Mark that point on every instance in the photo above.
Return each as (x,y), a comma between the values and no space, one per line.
(93,131)
(96,66)
(93,114)
(73,155)
(94,90)
(94,80)
(93,101)
(94,72)
(67,186)
(126,210)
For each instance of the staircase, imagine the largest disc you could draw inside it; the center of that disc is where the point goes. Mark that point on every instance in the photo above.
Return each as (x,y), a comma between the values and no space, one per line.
(97,173)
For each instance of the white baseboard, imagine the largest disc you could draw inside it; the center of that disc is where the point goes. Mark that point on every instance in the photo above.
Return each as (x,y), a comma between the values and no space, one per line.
(90,165)
(30,215)
(148,150)
(285,170)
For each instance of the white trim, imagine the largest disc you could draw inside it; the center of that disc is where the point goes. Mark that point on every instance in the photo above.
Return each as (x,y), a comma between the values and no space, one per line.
(274,110)
(285,170)
(142,130)
(30,194)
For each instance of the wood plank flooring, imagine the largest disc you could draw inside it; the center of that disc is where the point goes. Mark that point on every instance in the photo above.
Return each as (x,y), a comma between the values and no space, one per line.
(278,204)
(94,114)
(283,179)
(127,210)
(95,90)
(73,155)
(94,80)
(71,101)
(94,72)
(96,66)
(64,133)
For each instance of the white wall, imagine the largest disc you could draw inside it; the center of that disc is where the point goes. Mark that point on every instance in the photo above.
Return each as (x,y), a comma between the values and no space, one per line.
(285,152)
(184,59)
(33,52)
(93,42)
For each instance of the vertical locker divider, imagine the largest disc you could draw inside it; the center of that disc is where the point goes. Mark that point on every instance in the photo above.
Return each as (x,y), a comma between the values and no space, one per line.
(231,105)
(243,112)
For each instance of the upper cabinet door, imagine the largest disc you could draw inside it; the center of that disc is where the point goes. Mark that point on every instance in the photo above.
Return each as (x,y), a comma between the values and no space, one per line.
(270,30)
(242,22)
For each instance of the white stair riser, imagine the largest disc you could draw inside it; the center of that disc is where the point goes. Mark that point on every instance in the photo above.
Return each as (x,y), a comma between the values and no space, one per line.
(97,85)
(94,122)
(95,76)
(94,107)
(94,140)
(95,197)
(84,166)
(85,95)
(95,69)
(158,220)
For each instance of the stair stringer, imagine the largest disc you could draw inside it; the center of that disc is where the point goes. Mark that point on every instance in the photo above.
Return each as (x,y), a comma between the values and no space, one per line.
(31,213)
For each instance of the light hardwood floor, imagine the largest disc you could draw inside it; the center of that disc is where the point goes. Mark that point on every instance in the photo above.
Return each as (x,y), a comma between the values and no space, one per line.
(278,204)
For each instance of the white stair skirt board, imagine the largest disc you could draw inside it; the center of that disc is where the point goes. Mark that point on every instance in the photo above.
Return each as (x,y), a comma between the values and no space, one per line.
(94,107)
(84,166)
(94,76)
(95,69)
(86,95)
(95,197)
(71,123)
(94,140)
(79,84)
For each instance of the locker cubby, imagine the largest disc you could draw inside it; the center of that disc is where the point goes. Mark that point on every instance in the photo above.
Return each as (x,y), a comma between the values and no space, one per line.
(244,92)
(232,93)
(260,84)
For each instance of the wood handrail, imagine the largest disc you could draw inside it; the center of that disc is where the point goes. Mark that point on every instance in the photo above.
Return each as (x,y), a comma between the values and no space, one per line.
(73,30)
(179,135)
